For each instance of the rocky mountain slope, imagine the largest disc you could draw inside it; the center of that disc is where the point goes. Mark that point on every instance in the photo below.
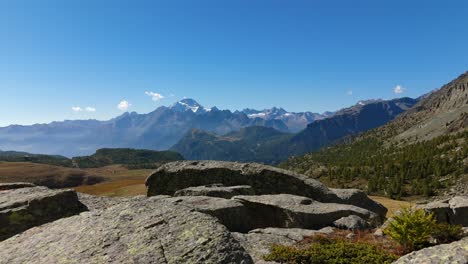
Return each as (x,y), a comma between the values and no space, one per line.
(254,144)
(270,146)
(423,150)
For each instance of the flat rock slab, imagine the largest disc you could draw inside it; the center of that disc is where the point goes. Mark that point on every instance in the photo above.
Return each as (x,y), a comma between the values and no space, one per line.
(453,253)
(140,231)
(21,209)
(290,211)
(258,242)
(216,190)
(15,185)
(175,176)
(452,211)
(231,213)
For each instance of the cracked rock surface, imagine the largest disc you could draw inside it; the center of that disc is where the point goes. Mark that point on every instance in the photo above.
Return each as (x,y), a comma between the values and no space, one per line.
(136,231)
(453,253)
(23,208)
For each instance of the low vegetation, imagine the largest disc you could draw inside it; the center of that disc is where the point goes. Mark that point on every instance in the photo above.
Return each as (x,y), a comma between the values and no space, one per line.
(330,251)
(411,228)
(389,169)
(415,229)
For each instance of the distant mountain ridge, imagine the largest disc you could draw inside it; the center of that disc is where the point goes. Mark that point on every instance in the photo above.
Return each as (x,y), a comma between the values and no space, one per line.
(157,130)
(294,121)
(274,146)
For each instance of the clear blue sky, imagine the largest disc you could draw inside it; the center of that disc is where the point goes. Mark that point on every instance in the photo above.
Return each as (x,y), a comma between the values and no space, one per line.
(300,55)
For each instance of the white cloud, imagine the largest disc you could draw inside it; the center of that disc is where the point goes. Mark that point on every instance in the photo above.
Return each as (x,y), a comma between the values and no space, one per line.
(349,92)
(155,96)
(399,89)
(86,109)
(123,105)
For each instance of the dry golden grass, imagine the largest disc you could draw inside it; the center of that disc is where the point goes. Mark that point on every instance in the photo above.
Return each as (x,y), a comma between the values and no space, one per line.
(115,188)
(43,174)
(392,205)
(22,171)
(120,181)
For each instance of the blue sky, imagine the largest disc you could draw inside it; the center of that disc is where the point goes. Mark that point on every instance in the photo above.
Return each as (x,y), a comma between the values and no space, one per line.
(300,55)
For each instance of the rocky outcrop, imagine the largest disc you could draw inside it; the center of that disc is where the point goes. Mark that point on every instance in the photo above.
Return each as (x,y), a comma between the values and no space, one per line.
(245,213)
(258,242)
(454,253)
(216,190)
(15,185)
(359,198)
(138,231)
(174,176)
(290,211)
(452,211)
(21,209)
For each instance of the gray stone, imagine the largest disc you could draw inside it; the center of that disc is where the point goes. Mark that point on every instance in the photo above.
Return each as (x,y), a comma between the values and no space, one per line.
(452,211)
(440,209)
(233,214)
(352,222)
(258,242)
(21,209)
(290,211)
(138,231)
(459,206)
(15,185)
(94,202)
(454,253)
(296,234)
(179,175)
(216,190)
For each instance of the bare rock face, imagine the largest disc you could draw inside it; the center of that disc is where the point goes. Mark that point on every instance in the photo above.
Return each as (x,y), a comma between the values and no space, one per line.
(15,185)
(138,231)
(452,211)
(231,213)
(174,176)
(216,190)
(453,253)
(21,209)
(290,211)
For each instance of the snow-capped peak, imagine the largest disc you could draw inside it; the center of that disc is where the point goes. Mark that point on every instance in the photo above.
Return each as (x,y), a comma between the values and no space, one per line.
(189,104)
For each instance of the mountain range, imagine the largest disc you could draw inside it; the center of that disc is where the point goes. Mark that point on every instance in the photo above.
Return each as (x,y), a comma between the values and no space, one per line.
(157,130)
(262,144)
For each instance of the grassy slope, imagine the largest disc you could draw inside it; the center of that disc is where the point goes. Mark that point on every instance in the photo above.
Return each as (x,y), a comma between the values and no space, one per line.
(47,175)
